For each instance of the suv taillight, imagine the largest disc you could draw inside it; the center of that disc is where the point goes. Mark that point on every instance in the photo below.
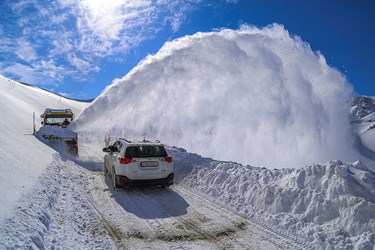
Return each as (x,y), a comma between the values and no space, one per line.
(125,160)
(168,159)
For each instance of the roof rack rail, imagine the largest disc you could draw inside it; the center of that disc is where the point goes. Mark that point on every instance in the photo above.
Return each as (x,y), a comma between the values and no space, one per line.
(139,140)
(148,140)
(126,140)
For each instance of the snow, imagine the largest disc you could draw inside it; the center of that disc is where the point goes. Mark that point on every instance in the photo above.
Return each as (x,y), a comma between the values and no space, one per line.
(254,96)
(317,201)
(57,131)
(51,200)
(364,125)
(22,157)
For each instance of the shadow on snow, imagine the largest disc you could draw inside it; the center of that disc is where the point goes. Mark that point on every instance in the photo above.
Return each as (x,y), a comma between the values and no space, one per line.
(149,202)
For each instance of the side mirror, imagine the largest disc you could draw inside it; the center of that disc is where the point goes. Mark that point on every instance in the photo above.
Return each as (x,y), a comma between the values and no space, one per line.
(107,150)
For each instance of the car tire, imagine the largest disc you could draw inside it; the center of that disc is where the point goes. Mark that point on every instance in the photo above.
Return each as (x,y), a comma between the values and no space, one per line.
(105,170)
(114,180)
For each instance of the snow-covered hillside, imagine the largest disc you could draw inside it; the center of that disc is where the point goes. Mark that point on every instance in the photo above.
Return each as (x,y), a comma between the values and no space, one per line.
(22,158)
(255,96)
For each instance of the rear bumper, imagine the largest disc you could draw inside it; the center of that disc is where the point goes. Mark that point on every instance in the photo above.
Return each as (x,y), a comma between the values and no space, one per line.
(125,181)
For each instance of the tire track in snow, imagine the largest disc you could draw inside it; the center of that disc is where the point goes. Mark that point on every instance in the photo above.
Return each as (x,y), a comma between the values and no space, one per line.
(272,234)
(112,214)
(75,222)
(172,228)
(54,214)
(165,227)
(208,228)
(169,218)
(149,215)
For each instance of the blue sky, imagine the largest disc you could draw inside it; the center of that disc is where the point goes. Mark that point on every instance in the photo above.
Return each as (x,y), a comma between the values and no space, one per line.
(76,48)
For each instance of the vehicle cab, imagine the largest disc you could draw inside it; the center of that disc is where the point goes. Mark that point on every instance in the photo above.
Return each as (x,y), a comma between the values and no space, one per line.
(56,117)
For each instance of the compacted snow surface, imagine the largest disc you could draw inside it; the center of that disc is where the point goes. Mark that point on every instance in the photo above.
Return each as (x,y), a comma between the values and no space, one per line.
(50,200)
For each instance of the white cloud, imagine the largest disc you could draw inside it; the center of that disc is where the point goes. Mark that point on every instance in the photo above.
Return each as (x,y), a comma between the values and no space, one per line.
(107,19)
(50,69)
(25,50)
(75,35)
(114,25)
(62,44)
(82,65)
(6,45)
(20,72)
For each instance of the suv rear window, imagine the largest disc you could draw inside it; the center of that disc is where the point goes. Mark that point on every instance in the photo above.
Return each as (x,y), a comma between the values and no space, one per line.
(145,151)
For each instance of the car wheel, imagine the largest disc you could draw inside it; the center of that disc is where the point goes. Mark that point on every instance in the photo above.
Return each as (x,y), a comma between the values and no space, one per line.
(105,170)
(114,180)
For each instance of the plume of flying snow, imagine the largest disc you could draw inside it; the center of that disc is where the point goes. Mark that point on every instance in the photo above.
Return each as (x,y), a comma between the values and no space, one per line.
(254,96)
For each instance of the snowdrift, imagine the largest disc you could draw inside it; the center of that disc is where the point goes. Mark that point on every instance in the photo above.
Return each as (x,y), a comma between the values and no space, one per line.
(255,96)
(332,205)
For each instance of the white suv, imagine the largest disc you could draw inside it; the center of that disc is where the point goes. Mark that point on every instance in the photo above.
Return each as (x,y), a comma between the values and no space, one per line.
(138,163)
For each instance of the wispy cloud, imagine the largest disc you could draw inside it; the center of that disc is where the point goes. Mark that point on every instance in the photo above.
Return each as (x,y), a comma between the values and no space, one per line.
(20,72)
(65,38)
(25,50)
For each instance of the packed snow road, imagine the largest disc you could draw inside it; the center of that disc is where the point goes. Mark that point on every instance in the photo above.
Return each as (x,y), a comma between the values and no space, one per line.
(171,218)
(74,207)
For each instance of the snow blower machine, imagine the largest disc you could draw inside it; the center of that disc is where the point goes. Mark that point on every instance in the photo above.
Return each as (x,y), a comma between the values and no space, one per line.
(55,129)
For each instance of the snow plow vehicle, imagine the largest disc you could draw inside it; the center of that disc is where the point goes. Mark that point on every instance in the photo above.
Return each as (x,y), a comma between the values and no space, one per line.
(55,123)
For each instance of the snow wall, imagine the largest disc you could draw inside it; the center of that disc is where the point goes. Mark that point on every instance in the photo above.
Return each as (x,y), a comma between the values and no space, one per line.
(254,96)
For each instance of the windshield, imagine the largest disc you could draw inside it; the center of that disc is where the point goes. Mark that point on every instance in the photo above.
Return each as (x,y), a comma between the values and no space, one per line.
(57,120)
(145,151)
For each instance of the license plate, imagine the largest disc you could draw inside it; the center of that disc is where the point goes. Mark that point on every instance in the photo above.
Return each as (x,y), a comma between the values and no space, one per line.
(149,164)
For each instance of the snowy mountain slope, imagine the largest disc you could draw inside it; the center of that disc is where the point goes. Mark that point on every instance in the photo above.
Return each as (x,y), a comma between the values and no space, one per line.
(363,111)
(255,96)
(363,106)
(22,158)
